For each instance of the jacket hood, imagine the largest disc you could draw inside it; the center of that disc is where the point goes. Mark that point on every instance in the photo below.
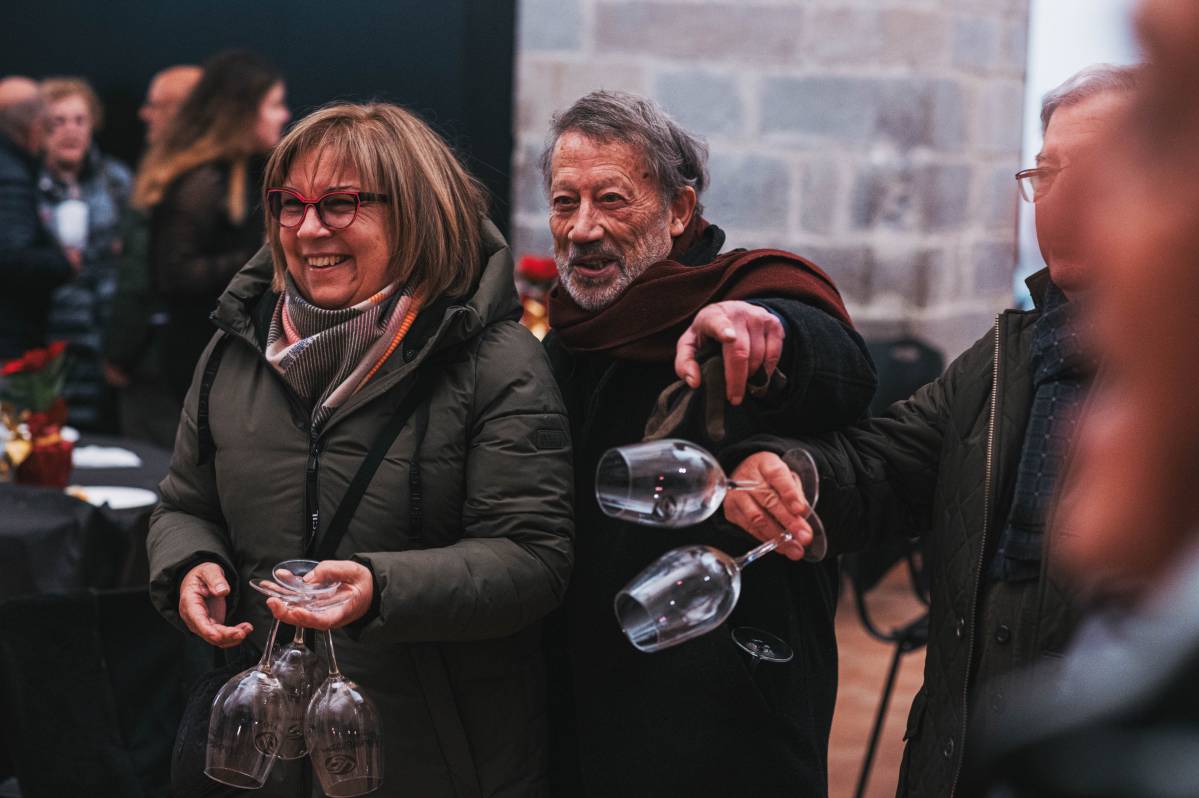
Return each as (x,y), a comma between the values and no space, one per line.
(444,322)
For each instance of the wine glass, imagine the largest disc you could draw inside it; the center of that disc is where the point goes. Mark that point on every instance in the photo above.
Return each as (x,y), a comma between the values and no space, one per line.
(244,726)
(674,483)
(691,590)
(344,736)
(299,670)
(297,667)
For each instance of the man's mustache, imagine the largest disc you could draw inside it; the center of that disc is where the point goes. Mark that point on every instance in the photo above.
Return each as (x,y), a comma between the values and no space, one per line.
(597,250)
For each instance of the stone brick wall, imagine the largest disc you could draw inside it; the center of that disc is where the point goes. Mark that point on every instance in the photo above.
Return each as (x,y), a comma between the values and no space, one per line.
(877,137)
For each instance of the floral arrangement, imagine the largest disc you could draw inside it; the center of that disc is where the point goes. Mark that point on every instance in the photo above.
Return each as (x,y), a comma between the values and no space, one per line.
(32,414)
(535,277)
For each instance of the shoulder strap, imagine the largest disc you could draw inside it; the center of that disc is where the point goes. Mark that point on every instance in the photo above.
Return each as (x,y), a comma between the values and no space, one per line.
(325,547)
(205,445)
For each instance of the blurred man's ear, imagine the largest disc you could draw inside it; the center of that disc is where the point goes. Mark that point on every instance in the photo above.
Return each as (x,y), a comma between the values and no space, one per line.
(682,207)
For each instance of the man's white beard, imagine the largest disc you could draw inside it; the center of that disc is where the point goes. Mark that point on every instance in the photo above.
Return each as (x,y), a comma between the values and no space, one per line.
(597,296)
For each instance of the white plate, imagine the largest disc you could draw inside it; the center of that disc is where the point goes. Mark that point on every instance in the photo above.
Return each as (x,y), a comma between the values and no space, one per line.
(104,457)
(116,497)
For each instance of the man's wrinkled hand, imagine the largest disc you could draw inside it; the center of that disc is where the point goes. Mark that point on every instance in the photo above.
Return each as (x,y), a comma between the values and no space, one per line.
(750,337)
(202,606)
(357,588)
(776,506)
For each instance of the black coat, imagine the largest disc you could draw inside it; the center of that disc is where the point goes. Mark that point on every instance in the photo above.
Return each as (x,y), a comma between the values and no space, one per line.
(31,263)
(694,720)
(942,466)
(195,249)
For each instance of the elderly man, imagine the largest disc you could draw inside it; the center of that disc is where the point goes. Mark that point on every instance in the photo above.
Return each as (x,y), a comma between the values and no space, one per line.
(168,89)
(971,463)
(148,408)
(31,264)
(639,269)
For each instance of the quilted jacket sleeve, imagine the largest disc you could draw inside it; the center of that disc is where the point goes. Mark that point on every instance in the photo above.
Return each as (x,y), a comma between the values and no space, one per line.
(878,476)
(511,566)
(187,526)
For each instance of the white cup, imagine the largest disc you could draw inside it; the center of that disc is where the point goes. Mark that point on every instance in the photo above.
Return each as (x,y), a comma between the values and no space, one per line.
(70,223)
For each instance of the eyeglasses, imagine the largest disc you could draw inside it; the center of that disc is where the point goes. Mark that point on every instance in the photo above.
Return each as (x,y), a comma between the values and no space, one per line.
(1035,183)
(337,210)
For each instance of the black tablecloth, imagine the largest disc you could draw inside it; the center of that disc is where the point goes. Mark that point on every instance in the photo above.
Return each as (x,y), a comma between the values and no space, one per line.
(53,543)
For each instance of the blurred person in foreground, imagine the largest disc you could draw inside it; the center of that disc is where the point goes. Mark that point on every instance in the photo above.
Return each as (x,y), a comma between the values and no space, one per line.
(32,264)
(77,175)
(198,184)
(641,269)
(132,347)
(1120,715)
(971,462)
(383,279)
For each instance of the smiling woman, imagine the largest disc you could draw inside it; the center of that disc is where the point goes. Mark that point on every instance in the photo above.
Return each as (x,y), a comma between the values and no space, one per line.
(381,319)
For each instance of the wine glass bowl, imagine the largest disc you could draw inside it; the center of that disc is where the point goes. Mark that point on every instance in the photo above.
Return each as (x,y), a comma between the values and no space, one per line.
(344,736)
(299,670)
(683,594)
(670,483)
(245,725)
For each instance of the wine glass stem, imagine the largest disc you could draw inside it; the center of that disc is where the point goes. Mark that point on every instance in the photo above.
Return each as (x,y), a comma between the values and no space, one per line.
(299,637)
(765,548)
(333,671)
(743,485)
(264,664)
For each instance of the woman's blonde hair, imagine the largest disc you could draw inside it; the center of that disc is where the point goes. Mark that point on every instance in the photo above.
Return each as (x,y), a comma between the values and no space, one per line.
(55,89)
(215,123)
(436,209)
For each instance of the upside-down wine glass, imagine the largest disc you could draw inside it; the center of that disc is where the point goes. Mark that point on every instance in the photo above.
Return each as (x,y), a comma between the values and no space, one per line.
(297,667)
(244,726)
(674,483)
(691,590)
(344,735)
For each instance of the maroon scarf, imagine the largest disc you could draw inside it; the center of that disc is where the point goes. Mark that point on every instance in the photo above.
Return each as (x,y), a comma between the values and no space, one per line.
(645,322)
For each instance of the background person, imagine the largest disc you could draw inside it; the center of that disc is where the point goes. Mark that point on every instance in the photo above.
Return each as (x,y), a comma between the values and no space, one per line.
(199,185)
(76,171)
(147,407)
(971,463)
(461,542)
(32,264)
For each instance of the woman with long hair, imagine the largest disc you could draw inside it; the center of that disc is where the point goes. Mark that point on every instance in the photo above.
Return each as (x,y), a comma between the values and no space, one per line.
(199,186)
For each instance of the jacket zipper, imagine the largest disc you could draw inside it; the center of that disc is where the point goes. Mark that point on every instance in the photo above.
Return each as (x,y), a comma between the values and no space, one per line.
(310,511)
(992,421)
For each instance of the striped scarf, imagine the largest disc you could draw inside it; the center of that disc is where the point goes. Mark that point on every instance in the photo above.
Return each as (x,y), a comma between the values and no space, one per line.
(325,355)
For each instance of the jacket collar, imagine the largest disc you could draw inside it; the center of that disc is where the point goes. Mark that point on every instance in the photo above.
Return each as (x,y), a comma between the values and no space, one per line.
(1038,284)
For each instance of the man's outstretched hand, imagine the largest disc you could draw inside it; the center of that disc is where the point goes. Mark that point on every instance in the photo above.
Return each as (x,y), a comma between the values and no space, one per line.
(750,337)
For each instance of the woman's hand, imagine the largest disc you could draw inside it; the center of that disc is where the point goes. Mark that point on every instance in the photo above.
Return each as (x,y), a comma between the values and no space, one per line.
(202,606)
(776,507)
(357,587)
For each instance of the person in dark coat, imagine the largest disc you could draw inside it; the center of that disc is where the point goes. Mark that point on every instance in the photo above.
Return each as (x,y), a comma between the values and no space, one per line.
(1119,715)
(383,280)
(199,186)
(76,171)
(970,463)
(32,264)
(639,268)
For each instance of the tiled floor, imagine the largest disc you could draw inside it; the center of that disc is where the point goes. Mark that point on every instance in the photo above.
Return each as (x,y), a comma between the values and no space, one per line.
(863,668)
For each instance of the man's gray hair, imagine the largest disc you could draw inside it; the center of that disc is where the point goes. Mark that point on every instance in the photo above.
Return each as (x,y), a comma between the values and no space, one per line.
(675,158)
(1087,83)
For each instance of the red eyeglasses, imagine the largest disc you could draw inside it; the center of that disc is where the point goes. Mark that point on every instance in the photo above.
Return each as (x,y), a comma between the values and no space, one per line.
(337,210)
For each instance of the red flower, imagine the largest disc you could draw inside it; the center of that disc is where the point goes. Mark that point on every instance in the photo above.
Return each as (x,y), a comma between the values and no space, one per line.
(537,268)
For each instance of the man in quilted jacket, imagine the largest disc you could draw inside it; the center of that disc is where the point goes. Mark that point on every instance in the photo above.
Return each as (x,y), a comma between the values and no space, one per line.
(970,463)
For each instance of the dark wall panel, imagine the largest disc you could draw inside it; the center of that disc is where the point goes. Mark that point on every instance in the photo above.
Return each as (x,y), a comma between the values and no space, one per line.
(449,60)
